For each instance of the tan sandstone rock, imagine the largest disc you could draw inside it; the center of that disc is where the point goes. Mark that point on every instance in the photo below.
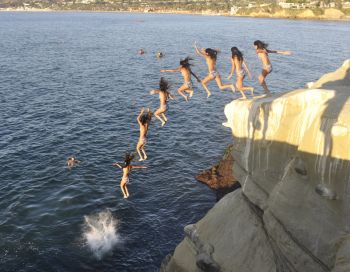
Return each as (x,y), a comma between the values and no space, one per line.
(292,157)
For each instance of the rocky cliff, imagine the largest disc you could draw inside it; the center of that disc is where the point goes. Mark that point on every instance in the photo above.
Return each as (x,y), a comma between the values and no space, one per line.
(292,157)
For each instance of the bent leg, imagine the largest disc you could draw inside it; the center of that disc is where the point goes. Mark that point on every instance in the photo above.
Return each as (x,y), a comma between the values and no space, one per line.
(157,115)
(223,87)
(138,148)
(181,91)
(262,81)
(165,119)
(239,85)
(144,153)
(204,84)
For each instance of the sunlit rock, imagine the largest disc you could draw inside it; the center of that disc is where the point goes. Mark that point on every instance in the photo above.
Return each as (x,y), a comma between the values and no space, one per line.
(292,157)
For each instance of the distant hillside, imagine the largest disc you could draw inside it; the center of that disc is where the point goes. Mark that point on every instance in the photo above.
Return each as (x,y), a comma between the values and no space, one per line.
(144,5)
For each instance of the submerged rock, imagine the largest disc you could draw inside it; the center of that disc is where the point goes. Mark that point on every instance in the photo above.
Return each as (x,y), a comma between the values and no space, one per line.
(293,162)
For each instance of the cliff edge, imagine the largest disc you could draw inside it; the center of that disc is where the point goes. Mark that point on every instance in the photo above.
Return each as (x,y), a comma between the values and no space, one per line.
(292,157)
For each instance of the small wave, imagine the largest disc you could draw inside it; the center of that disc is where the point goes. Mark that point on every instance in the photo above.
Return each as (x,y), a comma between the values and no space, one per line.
(101,233)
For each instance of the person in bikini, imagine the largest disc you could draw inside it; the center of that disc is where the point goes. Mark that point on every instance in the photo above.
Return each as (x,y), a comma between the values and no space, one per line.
(186,72)
(126,167)
(263,54)
(210,56)
(241,67)
(164,96)
(144,119)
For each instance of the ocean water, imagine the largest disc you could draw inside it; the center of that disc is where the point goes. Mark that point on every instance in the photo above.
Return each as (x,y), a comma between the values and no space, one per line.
(73,84)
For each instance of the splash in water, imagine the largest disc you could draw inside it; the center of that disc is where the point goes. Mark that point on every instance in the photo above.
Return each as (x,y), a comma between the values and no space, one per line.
(101,233)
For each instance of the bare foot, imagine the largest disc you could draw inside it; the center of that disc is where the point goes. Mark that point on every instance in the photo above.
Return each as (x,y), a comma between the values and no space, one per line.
(233,89)
(125,196)
(186,98)
(191,93)
(141,159)
(208,94)
(163,124)
(145,158)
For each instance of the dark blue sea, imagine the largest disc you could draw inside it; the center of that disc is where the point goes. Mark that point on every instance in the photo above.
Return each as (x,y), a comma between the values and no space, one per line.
(73,84)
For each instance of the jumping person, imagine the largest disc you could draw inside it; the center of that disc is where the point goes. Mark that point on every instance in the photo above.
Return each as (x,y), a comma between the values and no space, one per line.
(144,119)
(210,56)
(186,72)
(126,167)
(241,67)
(164,96)
(263,54)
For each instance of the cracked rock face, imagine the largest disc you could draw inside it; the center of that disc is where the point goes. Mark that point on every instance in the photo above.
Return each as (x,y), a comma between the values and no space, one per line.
(292,157)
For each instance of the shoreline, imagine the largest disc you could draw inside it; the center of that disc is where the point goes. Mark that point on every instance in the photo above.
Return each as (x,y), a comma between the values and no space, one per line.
(207,13)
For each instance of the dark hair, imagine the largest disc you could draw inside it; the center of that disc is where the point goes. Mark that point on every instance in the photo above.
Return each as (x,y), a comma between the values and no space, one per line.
(260,44)
(128,158)
(163,85)
(212,53)
(146,117)
(186,64)
(236,53)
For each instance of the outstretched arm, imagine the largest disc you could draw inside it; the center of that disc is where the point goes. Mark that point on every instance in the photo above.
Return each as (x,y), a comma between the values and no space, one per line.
(232,69)
(117,164)
(200,52)
(286,53)
(138,166)
(154,92)
(170,70)
(245,65)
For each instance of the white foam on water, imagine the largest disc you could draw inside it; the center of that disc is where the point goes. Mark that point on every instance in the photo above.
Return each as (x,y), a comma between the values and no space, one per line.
(101,233)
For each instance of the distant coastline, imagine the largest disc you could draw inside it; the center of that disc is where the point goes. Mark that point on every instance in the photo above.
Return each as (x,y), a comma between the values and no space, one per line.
(305,14)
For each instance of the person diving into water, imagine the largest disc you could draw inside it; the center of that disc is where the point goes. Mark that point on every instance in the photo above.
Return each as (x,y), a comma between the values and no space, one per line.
(126,167)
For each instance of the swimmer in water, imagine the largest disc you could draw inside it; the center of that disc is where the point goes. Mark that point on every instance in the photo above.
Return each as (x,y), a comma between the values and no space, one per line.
(126,167)
(159,55)
(263,54)
(144,119)
(241,67)
(186,72)
(71,162)
(210,56)
(164,96)
(141,51)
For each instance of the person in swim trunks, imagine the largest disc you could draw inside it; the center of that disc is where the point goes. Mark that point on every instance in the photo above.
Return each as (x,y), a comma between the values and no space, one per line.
(263,54)
(186,72)
(164,96)
(210,56)
(144,119)
(126,167)
(241,67)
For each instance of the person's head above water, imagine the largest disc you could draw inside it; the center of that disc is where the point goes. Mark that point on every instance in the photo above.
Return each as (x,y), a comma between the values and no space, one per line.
(236,53)
(260,45)
(211,53)
(163,85)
